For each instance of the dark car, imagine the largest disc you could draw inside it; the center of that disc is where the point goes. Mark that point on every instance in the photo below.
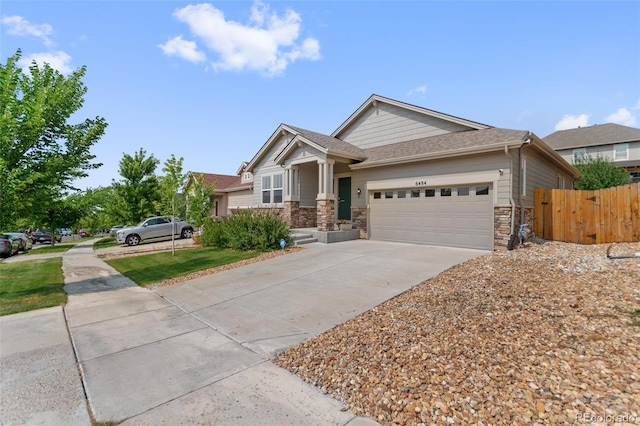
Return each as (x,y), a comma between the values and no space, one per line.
(24,241)
(44,236)
(8,245)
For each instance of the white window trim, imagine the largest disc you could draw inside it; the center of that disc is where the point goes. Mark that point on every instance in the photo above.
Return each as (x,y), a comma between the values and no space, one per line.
(560,182)
(582,152)
(271,189)
(626,151)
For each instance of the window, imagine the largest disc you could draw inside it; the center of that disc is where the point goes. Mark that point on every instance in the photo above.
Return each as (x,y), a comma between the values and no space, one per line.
(266,189)
(445,192)
(523,177)
(377,195)
(635,176)
(429,192)
(402,194)
(579,154)
(482,190)
(560,184)
(277,188)
(388,194)
(621,152)
(272,189)
(415,193)
(463,191)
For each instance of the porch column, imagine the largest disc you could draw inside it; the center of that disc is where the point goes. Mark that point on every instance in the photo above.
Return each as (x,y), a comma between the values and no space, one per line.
(291,196)
(326,201)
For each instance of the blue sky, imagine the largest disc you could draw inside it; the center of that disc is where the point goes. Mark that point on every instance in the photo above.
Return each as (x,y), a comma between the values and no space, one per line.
(210,82)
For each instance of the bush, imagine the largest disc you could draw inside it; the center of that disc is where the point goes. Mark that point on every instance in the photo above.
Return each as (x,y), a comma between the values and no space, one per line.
(246,230)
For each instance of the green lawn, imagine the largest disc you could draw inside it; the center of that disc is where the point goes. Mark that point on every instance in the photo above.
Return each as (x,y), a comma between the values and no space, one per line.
(151,268)
(106,242)
(48,248)
(30,285)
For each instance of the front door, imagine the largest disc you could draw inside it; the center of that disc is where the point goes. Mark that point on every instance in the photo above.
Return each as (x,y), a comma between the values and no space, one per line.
(344,198)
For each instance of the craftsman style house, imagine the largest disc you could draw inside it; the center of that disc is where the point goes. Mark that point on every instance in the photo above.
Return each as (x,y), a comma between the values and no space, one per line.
(400,172)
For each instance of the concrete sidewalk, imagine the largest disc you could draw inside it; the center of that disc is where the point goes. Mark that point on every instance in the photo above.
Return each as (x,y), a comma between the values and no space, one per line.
(198,352)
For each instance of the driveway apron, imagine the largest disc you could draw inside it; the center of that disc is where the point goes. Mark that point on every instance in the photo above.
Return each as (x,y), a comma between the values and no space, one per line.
(198,352)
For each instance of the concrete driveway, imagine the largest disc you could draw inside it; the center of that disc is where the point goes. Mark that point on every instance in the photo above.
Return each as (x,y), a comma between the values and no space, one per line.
(198,352)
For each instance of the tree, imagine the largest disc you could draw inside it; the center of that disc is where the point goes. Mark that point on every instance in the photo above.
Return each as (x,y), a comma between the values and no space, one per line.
(137,194)
(599,173)
(171,201)
(41,153)
(199,200)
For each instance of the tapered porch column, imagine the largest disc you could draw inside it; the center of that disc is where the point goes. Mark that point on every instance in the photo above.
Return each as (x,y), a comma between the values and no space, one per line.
(292,196)
(326,200)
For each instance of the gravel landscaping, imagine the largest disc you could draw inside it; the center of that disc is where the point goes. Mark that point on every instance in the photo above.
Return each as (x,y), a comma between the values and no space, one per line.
(544,334)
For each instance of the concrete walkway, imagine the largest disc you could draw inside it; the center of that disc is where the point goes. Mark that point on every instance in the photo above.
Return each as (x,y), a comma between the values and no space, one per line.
(198,352)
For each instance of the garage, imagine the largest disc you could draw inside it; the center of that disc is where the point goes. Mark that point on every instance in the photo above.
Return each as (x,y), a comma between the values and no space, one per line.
(456,216)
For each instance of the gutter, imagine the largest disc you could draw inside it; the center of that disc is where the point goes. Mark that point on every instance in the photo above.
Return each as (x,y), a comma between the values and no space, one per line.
(435,155)
(511,200)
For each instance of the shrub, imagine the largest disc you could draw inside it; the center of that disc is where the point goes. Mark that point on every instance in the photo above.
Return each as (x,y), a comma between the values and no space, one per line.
(246,230)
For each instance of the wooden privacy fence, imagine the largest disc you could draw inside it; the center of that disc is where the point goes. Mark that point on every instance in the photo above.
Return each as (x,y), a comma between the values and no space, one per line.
(588,217)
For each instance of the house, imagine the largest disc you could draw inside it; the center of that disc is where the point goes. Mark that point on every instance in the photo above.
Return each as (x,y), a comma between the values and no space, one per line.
(231,192)
(620,144)
(400,172)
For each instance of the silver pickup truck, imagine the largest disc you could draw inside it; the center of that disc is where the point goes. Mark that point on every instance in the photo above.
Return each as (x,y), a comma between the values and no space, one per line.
(153,228)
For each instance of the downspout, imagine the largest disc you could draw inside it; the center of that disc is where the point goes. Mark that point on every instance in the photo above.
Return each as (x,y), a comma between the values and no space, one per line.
(511,200)
(529,142)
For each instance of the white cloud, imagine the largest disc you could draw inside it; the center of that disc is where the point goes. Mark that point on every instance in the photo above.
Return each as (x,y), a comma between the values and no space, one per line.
(57,60)
(18,26)
(267,43)
(420,90)
(572,122)
(185,49)
(622,116)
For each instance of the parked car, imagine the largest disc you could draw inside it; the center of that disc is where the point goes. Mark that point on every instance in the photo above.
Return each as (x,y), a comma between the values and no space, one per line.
(8,245)
(65,232)
(44,236)
(115,229)
(157,227)
(83,233)
(24,241)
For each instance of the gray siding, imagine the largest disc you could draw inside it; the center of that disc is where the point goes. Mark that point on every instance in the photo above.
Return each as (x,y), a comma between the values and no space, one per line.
(540,174)
(386,124)
(308,184)
(603,151)
(267,166)
(304,153)
(453,166)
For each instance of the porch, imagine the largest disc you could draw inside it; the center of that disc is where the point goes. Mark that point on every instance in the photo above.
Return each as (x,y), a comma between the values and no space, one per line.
(301,236)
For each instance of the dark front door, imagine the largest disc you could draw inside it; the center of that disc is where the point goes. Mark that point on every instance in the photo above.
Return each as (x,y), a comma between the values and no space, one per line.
(344,198)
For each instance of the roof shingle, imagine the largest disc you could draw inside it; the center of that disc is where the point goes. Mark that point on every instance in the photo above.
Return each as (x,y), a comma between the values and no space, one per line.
(599,134)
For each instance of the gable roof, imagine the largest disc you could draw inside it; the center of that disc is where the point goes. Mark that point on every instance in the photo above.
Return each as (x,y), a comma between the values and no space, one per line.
(444,145)
(456,144)
(374,99)
(599,134)
(222,183)
(322,143)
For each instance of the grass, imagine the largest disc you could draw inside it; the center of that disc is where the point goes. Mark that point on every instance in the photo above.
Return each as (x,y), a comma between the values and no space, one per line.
(31,285)
(58,248)
(106,242)
(635,317)
(152,268)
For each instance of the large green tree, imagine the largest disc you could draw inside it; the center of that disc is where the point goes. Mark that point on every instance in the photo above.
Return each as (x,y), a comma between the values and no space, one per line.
(598,173)
(137,194)
(41,152)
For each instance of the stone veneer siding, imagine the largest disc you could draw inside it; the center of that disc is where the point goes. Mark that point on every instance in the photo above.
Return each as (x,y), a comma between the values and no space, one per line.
(502,223)
(359,219)
(307,217)
(326,215)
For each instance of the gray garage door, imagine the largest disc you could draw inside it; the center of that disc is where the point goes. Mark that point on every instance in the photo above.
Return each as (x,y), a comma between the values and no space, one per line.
(459,216)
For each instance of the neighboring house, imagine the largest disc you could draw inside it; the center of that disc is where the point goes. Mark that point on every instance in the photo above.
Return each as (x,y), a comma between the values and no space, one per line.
(231,192)
(400,172)
(620,144)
